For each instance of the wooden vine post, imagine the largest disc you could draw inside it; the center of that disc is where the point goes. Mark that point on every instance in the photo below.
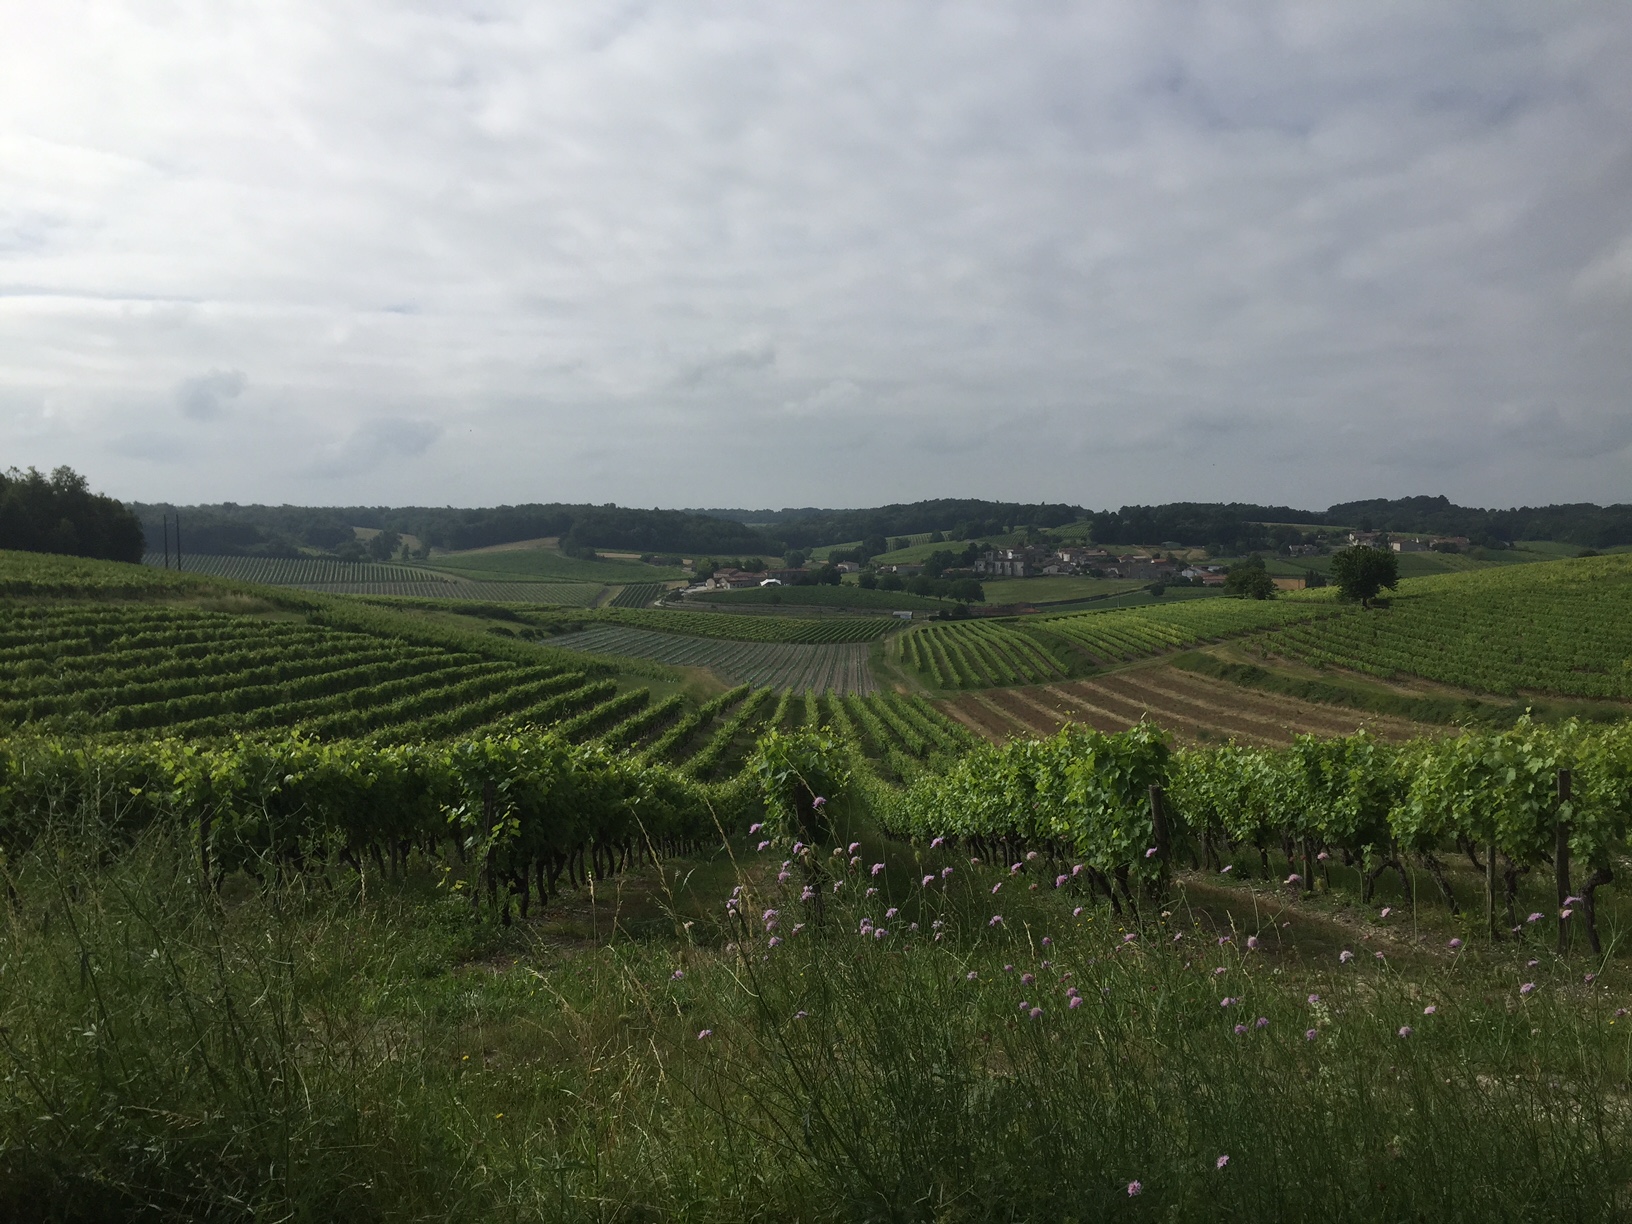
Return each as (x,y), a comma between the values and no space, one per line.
(1561,861)
(489,819)
(1490,889)
(1164,851)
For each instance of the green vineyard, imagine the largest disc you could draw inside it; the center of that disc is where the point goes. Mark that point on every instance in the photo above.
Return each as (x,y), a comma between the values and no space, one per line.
(1563,627)
(779,665)
(296,571)
(558,594)
(989,654)
(738,628)
(636,595)
(97,668)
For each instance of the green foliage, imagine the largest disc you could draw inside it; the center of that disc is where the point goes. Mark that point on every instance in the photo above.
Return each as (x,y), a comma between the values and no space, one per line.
(59,514)
(722,625)
(841,666)
(1249,580)
(1360,573)
(799,774)
(1557,627)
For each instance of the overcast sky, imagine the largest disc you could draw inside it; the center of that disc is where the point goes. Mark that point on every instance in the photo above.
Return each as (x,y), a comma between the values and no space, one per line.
(760,254)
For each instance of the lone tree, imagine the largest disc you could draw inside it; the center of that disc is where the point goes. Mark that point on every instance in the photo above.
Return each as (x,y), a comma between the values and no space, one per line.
(1249,580)
(1361,572)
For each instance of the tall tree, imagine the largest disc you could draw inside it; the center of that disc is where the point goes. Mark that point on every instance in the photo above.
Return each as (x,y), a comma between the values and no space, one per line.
(60,514)
(1362,572)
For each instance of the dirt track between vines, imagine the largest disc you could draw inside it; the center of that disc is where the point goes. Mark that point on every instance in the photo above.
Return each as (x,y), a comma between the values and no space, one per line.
(1196,709)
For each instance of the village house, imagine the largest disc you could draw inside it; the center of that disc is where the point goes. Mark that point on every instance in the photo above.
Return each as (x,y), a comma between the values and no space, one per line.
(1008,563)
(1408,546)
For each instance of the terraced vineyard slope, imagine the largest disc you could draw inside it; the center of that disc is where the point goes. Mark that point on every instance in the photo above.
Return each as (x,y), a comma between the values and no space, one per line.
(777,665)
(736,628)
(94,667)
(1557,627)
(297,571)
(986,654)
(1196,709)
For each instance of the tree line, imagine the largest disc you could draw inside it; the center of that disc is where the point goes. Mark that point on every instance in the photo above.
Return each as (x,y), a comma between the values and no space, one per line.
(59,514)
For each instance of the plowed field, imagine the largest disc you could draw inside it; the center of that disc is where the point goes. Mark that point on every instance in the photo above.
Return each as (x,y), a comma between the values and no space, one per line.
(1196,709)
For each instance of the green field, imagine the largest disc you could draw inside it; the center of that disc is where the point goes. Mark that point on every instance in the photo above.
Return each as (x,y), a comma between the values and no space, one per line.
(1051,590)
(560,594)
(1562,627)
(1034,650)
(741,627)
(845,596)
(546,565)
(297,571)
(777,665)
(302,920)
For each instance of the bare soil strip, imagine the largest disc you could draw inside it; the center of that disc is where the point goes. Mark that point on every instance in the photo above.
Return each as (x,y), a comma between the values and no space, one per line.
(982,719)
(1285,713)
(1003,700)
(1097,717)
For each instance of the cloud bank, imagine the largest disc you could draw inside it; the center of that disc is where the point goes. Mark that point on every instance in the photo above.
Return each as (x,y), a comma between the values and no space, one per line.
(829,254)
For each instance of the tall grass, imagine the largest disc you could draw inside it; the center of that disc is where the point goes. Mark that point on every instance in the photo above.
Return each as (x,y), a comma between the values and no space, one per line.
(330,1047)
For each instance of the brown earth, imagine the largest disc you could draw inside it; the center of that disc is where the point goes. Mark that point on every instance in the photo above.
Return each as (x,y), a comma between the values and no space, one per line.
(1196,709)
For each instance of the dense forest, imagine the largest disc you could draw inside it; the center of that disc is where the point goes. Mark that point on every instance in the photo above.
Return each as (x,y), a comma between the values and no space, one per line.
(1232,528)
(283,531)
(59,514)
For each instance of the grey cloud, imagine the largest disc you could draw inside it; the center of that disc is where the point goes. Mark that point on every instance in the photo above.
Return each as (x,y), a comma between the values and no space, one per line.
(376,443)
(201,398)
(1298,251)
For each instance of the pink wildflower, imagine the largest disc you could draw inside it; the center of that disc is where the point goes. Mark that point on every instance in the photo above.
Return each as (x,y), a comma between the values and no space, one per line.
(1345,956)
(1536,917)
(1221,1162)
(878,868)
(1455,944)
(1134,1188)
(1310,1034)
(1429,1010)
(1405,1030)
(704,1034)
(1527,988)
